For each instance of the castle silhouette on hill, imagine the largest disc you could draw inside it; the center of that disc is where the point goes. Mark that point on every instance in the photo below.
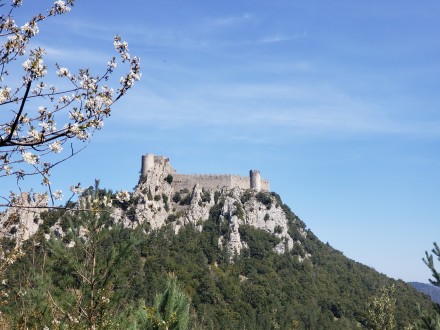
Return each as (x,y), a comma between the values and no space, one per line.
(152,163)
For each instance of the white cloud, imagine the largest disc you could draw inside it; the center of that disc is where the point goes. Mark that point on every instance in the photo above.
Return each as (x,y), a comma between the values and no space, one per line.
(281,38)
(230,21)
(279,109)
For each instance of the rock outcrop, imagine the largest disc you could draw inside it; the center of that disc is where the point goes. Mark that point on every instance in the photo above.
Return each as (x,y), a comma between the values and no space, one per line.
(22,220)
(158,201)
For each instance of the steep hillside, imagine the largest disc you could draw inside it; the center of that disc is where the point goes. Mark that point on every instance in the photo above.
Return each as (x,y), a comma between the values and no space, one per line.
(429,289)
(245,259)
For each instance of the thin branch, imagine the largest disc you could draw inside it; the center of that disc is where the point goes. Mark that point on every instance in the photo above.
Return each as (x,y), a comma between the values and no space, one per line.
(55,304)
(17,118)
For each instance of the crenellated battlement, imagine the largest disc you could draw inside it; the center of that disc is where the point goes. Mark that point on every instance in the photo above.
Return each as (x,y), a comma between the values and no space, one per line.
(152,163)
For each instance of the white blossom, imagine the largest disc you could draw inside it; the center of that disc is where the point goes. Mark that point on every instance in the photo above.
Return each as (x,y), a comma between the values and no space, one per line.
(35,66)
(76,189)
(49,126)
(30,28)
(64,99)
(56,147)
(36,135)
(107,202)
(60,7)
(5,94)
(63,72)
(58,195)
(30,133)
(112,64)
(7,169)
(27,65)
(29,158)
(123,196)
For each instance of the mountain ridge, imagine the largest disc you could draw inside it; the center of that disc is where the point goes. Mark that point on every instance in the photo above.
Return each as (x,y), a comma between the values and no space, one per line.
(245,259)
(429,289)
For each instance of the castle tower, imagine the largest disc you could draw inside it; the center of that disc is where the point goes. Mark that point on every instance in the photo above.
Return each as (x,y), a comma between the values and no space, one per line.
(147,164)
(255,179)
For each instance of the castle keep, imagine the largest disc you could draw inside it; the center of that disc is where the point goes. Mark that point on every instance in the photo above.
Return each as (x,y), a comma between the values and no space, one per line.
(152,163)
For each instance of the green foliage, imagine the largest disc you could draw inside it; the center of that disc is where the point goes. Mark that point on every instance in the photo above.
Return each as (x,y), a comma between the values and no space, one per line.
(431,321)
(49,219)
(174,217)
(246,196)
(265,198)
(382,309)
(239,212)
(171,308)
(215,211)
(429,261)
(177,197)
(149,195)
(169,179)
(103,278)
(206,196)
(278,229)
(217,195)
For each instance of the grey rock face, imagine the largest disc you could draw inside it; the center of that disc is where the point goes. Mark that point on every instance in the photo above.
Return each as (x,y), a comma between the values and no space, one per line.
(159,202)
(22,221)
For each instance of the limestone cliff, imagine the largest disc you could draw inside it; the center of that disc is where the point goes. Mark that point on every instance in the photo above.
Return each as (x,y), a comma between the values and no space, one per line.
(23,220)
(160,200)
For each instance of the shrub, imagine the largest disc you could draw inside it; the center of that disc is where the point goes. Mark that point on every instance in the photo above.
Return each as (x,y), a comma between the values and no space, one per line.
(278,229)
(265,199)
(216,196)
(206,197)
(238,210)
(186,200)
(177,197)
(171,218)
(246,196)
(169,178)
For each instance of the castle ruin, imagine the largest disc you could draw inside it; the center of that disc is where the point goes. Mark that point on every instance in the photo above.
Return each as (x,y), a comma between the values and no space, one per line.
(152,163)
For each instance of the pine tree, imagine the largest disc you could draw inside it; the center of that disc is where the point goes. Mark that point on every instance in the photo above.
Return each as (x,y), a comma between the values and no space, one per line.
(171,308)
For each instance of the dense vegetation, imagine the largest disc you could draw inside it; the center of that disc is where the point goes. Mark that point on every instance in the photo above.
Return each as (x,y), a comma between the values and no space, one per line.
(110,273)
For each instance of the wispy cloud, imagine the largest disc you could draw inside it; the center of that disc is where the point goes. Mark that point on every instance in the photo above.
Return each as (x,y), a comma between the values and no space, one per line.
(77,55)
(281,38)
(246,109)
(229,21)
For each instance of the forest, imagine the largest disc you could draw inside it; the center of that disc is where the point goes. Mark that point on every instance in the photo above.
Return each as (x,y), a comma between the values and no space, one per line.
(106,276)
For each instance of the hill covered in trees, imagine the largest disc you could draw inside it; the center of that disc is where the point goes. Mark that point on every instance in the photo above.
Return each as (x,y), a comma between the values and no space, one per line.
(429,289)
(101,266)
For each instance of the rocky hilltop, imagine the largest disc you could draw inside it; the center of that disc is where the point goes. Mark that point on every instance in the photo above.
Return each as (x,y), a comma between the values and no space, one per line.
(244,258)
(164,197)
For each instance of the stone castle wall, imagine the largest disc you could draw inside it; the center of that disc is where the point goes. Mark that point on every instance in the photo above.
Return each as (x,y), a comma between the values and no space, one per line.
(265,185)
(188,181)
(151,162)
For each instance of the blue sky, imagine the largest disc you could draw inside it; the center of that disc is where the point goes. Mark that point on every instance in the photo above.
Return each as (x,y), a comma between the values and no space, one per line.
(336,102)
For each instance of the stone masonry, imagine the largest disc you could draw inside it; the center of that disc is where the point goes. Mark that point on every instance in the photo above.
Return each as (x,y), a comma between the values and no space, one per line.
(150,162)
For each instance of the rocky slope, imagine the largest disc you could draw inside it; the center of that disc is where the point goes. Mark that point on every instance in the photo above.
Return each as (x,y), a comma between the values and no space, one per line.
(157,202)
(23,221)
